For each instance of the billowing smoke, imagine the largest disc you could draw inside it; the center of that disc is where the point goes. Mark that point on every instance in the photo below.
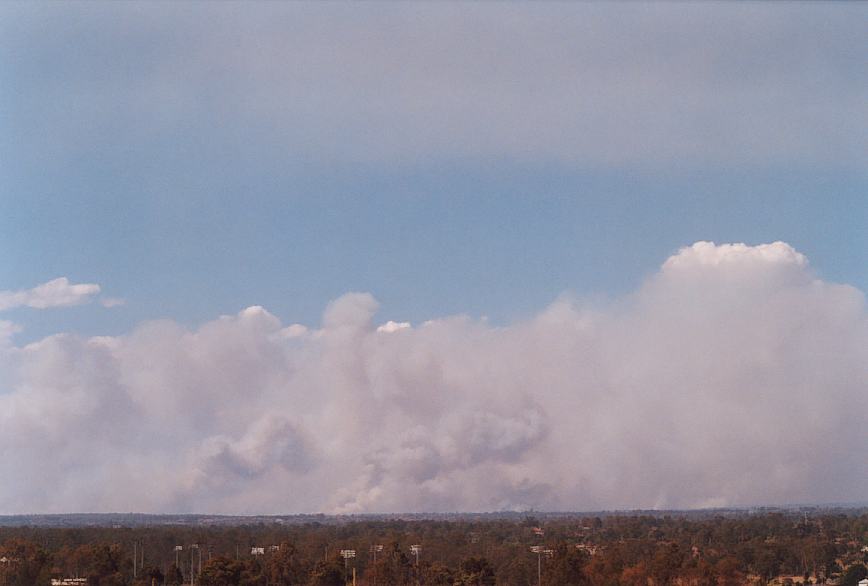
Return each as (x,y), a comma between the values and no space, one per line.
(732,376)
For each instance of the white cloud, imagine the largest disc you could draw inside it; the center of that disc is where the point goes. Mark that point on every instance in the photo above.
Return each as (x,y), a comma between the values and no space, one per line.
(732,376)
(109,302)
(55,293)
(391,327)
(739,255)
(294,331)
(7,330)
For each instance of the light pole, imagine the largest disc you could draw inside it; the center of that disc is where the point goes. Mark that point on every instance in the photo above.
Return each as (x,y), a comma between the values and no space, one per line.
(416,548)
(192,571)
(347,554)
(538,549)
(136,552)
(374,549)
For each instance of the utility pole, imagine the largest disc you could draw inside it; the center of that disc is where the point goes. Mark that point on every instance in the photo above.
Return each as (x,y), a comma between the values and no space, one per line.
(135,560)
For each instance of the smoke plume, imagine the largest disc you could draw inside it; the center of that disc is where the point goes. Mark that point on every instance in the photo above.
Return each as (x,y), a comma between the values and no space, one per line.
(731,376)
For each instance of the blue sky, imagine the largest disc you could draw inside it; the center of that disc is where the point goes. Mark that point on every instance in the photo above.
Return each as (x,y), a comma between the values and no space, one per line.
(480,159)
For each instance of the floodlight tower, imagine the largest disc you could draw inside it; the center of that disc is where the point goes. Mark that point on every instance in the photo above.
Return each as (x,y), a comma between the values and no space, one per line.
(416,548)
(538,550)
(192,571)
(347,554)
(374,550)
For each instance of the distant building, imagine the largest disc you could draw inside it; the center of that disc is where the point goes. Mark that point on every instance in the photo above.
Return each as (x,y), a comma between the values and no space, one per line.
(589,549)
(257,551)
(68,581)
(863,582)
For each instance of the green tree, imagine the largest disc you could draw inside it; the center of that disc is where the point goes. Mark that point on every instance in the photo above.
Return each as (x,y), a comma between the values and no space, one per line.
(853,575)
(517,571)
(666,564)
(728,573)
(155,576)
(566,567)
(174,577)
(282,567)
(221,571)
(104,565)
(475,572)
(31,565)
(768,564)
(328,573)
(437,574)
(392,567)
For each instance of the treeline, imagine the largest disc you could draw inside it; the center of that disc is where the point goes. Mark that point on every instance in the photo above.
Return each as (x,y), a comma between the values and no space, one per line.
(592,551)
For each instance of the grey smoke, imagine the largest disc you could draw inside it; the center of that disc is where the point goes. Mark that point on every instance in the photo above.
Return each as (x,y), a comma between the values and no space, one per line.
(732,376)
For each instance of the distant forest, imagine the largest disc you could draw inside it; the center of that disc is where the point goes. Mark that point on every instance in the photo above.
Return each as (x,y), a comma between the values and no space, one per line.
(520,550)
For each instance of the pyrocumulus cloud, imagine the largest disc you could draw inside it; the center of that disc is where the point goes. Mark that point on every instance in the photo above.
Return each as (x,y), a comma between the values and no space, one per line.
(731,376)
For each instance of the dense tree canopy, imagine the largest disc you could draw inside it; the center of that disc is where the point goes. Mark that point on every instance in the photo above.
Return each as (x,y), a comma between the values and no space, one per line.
(615,550)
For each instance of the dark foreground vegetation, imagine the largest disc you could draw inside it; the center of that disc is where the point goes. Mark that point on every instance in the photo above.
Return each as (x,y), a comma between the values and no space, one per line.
(615,550)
